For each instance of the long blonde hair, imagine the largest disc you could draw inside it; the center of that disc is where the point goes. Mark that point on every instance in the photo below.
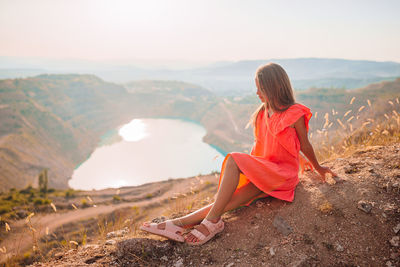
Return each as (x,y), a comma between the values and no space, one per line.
(275,85)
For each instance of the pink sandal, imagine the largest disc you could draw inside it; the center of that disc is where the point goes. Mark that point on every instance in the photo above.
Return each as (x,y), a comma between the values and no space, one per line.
(213,229)
(171,230)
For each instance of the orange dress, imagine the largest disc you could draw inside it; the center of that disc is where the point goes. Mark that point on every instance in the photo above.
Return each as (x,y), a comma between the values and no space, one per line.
(273,163)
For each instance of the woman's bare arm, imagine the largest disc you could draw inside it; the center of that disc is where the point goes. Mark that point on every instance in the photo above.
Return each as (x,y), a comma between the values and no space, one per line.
(307,149)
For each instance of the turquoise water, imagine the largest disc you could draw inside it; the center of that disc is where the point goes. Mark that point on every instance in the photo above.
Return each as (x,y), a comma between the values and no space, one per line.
(148,150)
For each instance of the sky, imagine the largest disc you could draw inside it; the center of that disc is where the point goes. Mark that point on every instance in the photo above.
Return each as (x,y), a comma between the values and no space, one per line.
(129,31)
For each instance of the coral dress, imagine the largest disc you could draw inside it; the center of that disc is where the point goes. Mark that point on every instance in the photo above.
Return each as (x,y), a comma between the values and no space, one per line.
(273,163)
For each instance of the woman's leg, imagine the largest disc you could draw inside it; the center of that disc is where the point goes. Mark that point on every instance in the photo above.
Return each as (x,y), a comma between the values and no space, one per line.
(227,188)
(242,196)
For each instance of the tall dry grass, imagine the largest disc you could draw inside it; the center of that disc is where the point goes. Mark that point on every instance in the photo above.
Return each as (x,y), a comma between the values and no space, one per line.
(355,129)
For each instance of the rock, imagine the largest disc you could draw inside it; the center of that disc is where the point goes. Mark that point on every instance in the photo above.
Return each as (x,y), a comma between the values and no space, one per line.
(339,247)
(159,219)
(396,229)
(394,255)
(164,258)
(364,206)
(111,242)
(395,241)
(21,214)
(179,263)
(59,255)
(281,225)
(87,246)
(301,261)
(230,264)
(389,264)
(119,233)
(259,204)
(272,251)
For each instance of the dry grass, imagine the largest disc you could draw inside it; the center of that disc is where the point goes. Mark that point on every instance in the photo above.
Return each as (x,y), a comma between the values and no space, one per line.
(353,132)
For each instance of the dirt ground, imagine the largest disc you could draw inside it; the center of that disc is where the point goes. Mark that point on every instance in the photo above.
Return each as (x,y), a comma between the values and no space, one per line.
(353,220)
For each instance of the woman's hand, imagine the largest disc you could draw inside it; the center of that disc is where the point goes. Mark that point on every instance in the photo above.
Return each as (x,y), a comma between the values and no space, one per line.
(322,170)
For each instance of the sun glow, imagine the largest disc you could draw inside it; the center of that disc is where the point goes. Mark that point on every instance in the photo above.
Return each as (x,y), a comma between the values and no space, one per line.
(133,131)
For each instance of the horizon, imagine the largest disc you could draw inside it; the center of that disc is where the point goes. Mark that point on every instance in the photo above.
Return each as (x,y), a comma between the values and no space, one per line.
(185,34)
(42,62)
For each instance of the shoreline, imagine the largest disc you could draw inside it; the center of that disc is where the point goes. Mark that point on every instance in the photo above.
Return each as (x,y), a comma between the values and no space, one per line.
(111,137)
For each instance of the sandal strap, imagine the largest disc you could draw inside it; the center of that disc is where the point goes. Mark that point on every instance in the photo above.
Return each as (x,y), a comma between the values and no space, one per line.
(212,227)
(199,235)
(173,227)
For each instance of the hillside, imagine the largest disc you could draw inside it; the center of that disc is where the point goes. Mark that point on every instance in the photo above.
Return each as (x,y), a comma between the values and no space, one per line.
(350,221)
(222,78)
(56,121)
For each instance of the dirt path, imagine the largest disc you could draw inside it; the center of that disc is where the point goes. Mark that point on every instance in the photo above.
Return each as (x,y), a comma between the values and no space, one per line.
(19,238)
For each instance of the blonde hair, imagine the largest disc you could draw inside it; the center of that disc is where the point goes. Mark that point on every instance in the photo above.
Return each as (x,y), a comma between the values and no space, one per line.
(275,85)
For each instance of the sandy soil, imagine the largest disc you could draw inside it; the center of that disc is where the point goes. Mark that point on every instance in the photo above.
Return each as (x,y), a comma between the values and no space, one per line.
(351,221)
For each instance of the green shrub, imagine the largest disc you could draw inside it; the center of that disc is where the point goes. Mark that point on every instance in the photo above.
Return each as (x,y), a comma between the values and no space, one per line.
(5,209)
(84,203)
(38,201)
(116,198)
(69,193)
(28,190)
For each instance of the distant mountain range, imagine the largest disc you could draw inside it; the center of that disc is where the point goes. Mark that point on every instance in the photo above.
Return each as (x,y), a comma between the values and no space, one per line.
(222,78)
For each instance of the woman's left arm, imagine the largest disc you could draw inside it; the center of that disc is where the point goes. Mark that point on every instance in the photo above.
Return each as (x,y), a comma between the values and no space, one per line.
(307,149)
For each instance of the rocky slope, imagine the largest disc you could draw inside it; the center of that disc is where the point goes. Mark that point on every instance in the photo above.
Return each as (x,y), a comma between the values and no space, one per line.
(352,220)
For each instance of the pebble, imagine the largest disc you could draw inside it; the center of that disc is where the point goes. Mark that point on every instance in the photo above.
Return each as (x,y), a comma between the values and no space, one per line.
(389,264)
(282,226)
(339,247)
(364,206)
(394,255)
(396,229)
(271,251)
(259,204)
(179,263)
(230,264)
(164,258)
(395,241)
(59,255)
(111,242)
(118,233)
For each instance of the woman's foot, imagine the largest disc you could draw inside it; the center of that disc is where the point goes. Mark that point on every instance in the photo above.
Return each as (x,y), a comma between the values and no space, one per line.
(203,232)
(166,229)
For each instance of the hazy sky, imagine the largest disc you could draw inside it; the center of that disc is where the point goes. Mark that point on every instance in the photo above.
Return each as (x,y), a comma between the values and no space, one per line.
(215,30)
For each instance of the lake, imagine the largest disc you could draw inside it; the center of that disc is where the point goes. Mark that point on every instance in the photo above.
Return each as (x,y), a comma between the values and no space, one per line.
(147,150)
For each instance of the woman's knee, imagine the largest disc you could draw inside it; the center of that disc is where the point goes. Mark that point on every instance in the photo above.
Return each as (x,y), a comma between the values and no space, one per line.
(231,164)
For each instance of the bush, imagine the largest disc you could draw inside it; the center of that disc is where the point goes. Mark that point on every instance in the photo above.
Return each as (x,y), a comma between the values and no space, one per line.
(28,190)
(5,209)
(38,201)
(69,193)
(84,203)
(116,198)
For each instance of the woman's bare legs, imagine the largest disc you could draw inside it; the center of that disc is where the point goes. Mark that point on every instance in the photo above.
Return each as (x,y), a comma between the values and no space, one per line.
(226,200)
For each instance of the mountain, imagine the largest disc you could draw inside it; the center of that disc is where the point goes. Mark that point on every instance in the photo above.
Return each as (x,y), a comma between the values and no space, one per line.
(224,78)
